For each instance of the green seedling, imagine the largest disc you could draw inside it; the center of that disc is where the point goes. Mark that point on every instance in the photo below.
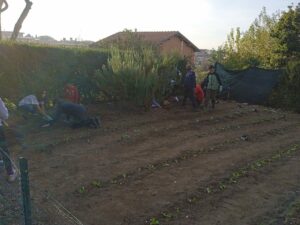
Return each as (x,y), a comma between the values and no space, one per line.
(136,131)
(222,186)
(150,166)
(67,139)
(82,190)
(114,181)
(232,180)
(154,221)
(167,215)
(236,175)
(125,137)
(97,184)
(208,190)
(192,200)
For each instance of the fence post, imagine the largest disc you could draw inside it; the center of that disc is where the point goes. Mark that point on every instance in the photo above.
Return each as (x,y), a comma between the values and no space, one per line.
(25,190)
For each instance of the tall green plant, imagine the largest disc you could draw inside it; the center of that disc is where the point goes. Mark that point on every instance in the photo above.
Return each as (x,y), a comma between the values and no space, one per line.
(136,75)
(129,75)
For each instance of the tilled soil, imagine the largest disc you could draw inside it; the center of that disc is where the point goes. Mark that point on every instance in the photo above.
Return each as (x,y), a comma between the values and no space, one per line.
(236,165)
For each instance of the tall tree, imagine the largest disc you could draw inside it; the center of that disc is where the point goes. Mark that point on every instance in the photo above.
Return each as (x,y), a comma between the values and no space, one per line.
(254,47)
(287,32)
(21,19)
(3,7)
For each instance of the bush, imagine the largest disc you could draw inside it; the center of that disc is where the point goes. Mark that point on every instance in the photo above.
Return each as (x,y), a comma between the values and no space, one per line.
(137,76)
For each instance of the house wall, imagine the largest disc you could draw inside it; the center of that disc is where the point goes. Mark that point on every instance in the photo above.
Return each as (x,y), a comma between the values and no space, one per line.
(7,34)
(175,44)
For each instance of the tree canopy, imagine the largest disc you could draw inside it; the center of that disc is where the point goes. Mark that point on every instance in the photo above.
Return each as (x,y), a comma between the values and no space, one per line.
(287,33)
(269,42)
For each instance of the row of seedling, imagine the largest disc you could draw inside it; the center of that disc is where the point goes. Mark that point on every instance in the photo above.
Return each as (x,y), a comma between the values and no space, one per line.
(178,208)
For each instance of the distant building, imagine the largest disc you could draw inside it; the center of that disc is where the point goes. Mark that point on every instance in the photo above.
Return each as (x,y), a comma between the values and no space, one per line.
(166,41)
(46,40)
(74,42)
(202,57)
(7,34)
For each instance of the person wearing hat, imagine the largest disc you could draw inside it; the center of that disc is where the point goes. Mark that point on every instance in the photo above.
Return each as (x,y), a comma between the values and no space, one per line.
(189,86)
(213,85)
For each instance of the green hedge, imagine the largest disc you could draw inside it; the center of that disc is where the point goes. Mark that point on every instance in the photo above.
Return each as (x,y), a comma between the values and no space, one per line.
(29,69)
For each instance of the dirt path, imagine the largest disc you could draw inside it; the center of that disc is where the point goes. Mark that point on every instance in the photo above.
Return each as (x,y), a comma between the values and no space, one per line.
(173,166)
(10,202)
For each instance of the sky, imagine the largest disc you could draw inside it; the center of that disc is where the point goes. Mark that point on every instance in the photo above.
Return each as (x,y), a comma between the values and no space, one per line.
(204,22)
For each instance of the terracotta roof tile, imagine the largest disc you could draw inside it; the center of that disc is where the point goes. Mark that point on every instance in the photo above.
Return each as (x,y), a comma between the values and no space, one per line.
(156,37)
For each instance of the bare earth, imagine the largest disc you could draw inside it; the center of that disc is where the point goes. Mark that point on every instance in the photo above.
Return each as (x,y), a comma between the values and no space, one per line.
(237,165)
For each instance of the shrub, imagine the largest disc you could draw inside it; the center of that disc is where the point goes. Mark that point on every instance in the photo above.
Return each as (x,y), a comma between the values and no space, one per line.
(136,75)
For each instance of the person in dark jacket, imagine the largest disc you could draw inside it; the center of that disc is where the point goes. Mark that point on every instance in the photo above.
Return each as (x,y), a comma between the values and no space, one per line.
(189,86)
(77,114)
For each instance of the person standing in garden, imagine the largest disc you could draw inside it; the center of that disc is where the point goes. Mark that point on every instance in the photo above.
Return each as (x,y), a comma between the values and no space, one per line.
(4,152)
(189,86)
(213,86)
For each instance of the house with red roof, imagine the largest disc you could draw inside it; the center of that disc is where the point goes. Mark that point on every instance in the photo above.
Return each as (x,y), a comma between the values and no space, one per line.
(166,41)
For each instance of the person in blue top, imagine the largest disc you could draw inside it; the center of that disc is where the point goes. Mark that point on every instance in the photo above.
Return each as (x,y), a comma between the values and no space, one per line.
(189,86)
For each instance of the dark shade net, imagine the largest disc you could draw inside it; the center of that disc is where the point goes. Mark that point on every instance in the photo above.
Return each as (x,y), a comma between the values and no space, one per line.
(253,85)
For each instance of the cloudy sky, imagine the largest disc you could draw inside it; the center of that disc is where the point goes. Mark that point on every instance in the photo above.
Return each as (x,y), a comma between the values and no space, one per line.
(205,22)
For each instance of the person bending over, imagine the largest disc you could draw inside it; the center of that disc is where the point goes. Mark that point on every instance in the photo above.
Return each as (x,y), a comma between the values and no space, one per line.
(30,104)
(76,113)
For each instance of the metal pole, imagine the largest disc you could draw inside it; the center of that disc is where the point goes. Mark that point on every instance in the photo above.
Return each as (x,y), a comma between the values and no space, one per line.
(25,190)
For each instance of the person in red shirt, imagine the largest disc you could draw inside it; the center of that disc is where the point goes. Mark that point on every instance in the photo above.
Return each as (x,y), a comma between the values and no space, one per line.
(71,93)
(199,94)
